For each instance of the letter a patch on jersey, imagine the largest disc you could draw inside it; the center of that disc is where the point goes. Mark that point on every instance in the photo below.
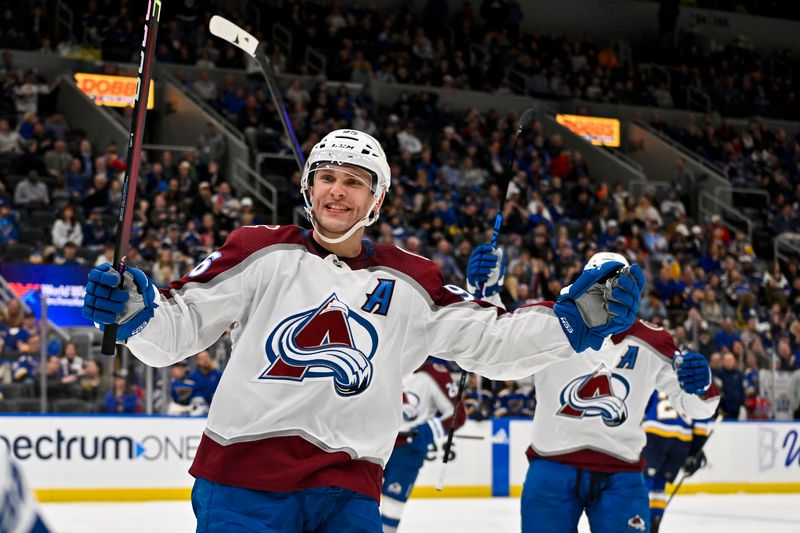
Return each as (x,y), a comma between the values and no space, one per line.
(629,359)
(329,342)
(380,298)
(601,393)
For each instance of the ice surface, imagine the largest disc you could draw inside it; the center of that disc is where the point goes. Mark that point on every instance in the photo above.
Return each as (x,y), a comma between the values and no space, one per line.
(740,513)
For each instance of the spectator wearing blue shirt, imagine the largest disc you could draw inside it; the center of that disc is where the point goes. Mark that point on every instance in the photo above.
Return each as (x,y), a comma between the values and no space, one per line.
(95,232)
(9,224)
(732,381)
(205,376)
(711,261)
(121,398)
(727,335)
(665,285)
(606,239)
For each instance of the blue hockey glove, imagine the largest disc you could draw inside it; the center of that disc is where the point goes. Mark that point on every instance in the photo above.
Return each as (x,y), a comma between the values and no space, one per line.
(422,437)
(693,371)
(603,301)
(131,307)
(486,270)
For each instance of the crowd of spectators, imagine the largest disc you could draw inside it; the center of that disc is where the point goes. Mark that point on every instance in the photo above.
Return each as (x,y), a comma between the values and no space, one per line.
(705,283)
(58,196)
(755,157)
(438,45)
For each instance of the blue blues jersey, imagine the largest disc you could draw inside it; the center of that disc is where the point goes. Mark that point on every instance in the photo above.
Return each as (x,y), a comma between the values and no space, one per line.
(182,390)
(662,419)
(512,403)
(24,368)
(205,383)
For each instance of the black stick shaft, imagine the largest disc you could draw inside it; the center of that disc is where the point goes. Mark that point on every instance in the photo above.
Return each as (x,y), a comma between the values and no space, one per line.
(524,120)
(128,201)
(684,476)
(280,106)
(462,383)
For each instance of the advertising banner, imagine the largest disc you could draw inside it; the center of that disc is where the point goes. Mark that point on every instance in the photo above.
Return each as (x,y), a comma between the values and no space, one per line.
(68,458)
(63,287)
(112,91)
(598,131)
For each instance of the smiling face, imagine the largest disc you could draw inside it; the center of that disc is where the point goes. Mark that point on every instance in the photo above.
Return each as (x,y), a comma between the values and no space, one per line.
(340,197)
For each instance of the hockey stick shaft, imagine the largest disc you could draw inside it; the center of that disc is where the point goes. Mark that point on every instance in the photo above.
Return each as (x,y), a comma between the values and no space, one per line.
(524,120)
(227,30)
(449,443)
(412,434)
(684,476)
(128,201)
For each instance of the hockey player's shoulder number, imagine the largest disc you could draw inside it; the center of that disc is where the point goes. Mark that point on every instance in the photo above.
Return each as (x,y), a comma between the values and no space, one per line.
(205,264)
(213,256)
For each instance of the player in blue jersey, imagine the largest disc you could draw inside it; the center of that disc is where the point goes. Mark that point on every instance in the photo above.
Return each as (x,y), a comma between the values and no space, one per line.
(673,442)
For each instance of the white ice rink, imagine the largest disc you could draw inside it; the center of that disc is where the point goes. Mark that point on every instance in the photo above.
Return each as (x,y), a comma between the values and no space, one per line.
(744,513)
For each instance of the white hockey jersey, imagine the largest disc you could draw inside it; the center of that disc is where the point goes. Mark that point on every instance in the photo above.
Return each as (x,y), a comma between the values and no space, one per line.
(589,410)
(311,395)
(429,396)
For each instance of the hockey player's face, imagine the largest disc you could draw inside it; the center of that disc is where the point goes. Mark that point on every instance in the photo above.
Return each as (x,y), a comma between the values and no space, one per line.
(340,196)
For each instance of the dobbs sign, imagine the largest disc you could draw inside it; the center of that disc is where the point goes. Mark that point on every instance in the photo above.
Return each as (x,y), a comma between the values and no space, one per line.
(113,91)
(596,130)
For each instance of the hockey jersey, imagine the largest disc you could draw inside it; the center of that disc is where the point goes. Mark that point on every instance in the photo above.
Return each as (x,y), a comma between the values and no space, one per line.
(429,396)
(589,409)
(310,396)
(665,421)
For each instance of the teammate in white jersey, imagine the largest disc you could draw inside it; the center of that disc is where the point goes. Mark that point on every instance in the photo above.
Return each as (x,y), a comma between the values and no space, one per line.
(429,397)
(585,452)
(325,327)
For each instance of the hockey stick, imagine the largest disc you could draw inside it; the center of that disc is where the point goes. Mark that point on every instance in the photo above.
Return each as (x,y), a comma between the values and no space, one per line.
(524,120)
(227,30)
(127,202)
(684,476)
(412,434)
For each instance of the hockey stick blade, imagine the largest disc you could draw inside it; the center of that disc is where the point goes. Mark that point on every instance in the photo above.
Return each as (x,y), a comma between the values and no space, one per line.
(525,119)
(225,29)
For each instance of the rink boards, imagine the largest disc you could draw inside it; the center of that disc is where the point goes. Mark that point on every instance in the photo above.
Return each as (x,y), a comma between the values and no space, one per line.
(119,458)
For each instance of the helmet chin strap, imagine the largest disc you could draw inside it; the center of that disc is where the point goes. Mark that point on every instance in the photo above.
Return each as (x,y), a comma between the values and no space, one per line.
(365,221)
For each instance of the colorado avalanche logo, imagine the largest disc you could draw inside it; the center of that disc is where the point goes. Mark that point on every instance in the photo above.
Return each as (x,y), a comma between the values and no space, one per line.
(410,406)
(601,393)
(323,343)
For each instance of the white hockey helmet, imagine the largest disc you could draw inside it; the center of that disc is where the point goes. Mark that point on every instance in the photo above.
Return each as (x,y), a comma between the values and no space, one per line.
(348,147)
(601,258)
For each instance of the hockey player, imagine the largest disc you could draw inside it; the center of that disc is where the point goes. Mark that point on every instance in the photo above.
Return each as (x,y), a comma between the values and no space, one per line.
(587,438)
(18,513)
(325,327)
(428,401)
(673,442)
